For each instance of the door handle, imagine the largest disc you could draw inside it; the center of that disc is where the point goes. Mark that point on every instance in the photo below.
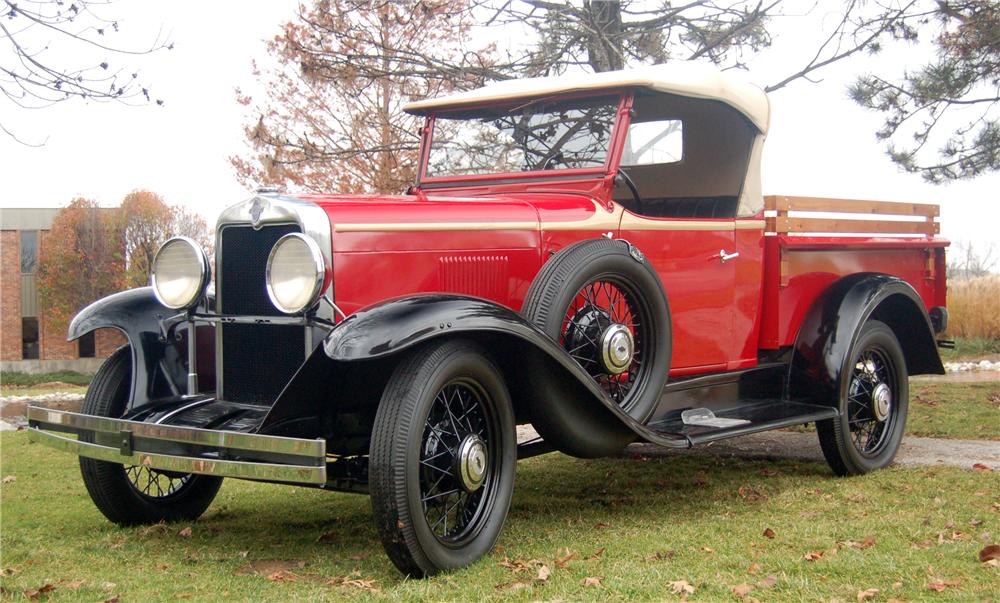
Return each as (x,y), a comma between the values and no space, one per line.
(725,257)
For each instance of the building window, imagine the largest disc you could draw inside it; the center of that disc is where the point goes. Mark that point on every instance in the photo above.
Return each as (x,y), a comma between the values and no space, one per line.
(87,345)
(29,338)
(29,251)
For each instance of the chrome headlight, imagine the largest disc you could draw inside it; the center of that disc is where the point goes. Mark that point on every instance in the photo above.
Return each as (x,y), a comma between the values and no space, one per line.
(297,273)
(180,273)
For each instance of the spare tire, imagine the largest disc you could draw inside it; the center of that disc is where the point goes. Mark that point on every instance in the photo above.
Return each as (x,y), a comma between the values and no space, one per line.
(603,302)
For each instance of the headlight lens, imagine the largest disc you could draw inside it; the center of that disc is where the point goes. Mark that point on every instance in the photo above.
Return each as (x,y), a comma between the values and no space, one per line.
(297,273)
(180,273)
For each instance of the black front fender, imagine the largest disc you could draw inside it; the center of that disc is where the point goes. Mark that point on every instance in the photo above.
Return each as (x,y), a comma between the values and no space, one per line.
(541,375)
(829,330)
(159,366)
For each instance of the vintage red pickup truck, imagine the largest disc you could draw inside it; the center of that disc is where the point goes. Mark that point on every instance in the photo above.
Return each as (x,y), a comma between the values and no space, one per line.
(590,255)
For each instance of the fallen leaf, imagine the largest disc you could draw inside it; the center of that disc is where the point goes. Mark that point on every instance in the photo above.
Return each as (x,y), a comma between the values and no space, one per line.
(183,595)
(596,554)
(708,549)
(661,555)
(185,533)
(353,582)
(601,525)
(768,582)
(512,586)
(591,581)
(768,533)
(681,587)
(749,493)
(814,555)
(562,560)
(754,568)
(768,472)
(113,599)
(75,584)
(975,466)
(282,576)
(360,556)
(937,586)
(742,590)
(266,567)
(327,538)
(543,573)
(9,479)
(864,595)
(991,552)
(867,543)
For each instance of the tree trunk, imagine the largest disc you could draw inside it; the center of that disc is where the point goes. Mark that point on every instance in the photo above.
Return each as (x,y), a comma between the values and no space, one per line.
(604,40)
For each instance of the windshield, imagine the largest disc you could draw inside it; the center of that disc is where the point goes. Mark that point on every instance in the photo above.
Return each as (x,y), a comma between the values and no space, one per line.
(526,137)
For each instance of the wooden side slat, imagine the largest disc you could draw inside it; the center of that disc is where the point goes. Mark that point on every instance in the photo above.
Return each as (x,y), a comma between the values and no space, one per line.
(852,206)
(786,224)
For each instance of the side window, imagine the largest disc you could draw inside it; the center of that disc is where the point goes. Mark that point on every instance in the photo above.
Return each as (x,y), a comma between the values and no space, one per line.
(29,338)
(654,142)
(29,251)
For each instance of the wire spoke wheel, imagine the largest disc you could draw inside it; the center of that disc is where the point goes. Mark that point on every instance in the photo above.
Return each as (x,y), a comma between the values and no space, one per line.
(155,484)
(457,450)
(606,330)
(873,399)
(870,407)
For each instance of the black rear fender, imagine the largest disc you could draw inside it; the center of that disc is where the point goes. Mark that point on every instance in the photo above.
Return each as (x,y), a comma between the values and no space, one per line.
(159,366)
(827,334)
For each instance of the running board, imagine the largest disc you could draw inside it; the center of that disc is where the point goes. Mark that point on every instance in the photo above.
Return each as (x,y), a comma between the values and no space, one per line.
(703,426)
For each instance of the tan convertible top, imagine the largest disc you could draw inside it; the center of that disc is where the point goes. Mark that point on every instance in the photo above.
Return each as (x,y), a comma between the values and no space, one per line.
(684,79)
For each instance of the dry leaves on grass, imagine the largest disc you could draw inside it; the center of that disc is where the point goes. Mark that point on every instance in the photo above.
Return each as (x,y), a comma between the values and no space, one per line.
(10,479)
(866,543)
(33,594)
(512,586)
(750,493)
(768,533)
(815,555)
(185,533)
(563,560)
(595,555)
(353,581)
(864,595)
(327,538)
(592,581)
(941,585)
(981,467)
(681,587)
(543,573)
(269,567)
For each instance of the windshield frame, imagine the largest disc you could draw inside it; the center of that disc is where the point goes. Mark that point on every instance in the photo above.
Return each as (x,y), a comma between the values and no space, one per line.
(610,159)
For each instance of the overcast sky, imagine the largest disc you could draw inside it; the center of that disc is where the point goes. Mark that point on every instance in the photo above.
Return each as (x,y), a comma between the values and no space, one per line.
(820,143)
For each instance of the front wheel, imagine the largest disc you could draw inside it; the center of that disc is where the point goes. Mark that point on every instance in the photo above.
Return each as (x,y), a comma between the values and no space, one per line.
(873,402)
(133,495)
(442,459)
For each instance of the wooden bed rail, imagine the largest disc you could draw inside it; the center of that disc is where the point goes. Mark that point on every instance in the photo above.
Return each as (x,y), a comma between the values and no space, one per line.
(782,223)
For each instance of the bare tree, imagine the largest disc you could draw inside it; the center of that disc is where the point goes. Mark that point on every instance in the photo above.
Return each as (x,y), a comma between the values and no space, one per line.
(59,50)
(966,260)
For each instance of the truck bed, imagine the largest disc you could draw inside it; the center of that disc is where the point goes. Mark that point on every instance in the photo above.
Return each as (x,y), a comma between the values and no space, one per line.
(811,242)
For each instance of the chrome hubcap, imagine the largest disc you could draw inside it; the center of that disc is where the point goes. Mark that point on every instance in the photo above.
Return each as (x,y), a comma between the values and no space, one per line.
(882,398)
(617,348)
(472,462)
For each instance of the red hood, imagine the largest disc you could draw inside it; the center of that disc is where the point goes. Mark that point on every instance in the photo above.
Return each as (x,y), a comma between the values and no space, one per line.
(428,212)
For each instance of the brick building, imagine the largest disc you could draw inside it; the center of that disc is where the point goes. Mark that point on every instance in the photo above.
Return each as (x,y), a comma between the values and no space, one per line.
(28,342)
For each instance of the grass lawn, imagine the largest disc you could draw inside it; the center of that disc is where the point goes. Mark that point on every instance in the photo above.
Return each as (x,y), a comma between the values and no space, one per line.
(955,410)
(634,528)
(13,379)
(971,348)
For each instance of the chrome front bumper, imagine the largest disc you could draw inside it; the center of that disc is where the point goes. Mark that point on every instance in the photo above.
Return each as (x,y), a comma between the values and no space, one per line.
(182,449)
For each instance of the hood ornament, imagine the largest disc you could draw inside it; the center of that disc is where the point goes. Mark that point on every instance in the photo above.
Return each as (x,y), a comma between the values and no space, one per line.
(256,210)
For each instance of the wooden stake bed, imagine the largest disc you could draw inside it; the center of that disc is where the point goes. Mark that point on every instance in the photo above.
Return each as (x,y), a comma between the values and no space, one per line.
(783,223)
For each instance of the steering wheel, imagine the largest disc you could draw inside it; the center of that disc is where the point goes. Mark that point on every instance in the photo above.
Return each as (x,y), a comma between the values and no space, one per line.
(622,176)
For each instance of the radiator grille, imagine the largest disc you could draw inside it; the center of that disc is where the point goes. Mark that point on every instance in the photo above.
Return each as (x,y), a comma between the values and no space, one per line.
(257,360)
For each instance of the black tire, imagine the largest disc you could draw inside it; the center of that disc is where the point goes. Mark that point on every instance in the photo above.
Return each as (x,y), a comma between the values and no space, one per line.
(867,434)
(136,495)
(413,458)
(610,268)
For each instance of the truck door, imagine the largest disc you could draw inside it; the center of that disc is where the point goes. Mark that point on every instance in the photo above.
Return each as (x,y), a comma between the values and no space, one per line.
(694,258)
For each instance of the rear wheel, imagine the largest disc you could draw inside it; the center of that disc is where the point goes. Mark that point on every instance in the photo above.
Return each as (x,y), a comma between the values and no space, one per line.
(133,495)
(442,459)
(873,404)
